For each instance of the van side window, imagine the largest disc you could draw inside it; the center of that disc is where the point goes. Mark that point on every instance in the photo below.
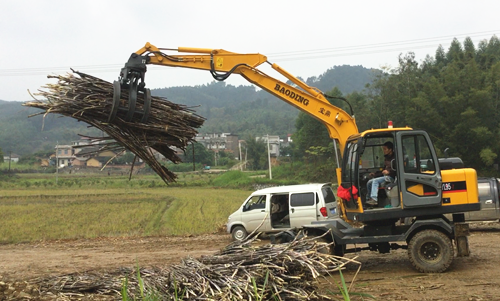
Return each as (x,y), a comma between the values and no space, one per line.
(256,202)
(302,199)
(328,194)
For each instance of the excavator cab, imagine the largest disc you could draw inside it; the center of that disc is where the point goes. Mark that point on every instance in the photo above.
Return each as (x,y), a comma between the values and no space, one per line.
(420,183)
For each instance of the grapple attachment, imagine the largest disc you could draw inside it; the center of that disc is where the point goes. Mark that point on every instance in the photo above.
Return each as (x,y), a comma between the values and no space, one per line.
(129,91)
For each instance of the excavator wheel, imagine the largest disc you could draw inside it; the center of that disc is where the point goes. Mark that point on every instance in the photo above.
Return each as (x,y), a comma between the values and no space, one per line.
(430,251)
(324,246)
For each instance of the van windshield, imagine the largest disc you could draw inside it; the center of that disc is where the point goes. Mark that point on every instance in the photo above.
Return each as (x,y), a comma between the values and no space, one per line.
(328,194)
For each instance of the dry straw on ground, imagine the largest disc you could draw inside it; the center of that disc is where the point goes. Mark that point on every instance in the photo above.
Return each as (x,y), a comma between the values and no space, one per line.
(241,271)
(90,99)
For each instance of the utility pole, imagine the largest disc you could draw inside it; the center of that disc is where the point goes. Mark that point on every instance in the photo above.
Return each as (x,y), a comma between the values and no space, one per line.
(241,156)
(269,158)
(10,158)
(57,160)
(194,168)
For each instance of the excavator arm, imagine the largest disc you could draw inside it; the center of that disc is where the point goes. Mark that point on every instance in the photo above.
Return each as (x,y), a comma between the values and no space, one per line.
(222,64)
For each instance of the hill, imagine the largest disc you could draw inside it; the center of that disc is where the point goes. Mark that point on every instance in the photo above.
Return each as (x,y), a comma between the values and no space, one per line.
(240,110)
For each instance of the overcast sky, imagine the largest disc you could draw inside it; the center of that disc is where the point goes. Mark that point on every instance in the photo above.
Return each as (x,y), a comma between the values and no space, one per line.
(306,38)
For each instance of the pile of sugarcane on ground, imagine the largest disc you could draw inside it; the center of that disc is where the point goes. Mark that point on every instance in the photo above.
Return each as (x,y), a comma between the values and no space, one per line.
(241,271)
(90,99)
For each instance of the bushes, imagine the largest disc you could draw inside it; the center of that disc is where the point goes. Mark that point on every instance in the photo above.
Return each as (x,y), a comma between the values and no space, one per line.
(238,179)
(306,173)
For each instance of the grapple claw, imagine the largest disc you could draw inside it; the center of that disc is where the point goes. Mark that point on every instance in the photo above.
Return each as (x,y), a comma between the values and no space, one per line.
(131,84)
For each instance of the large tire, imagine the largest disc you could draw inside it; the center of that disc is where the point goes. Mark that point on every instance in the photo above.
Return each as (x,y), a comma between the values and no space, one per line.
(408,221)
(325,246)
(339,250)
(239,233)
(430,251)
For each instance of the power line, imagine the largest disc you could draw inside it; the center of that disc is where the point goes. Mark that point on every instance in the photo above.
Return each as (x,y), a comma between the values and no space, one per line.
(371,48)
(396,43)
(280,56)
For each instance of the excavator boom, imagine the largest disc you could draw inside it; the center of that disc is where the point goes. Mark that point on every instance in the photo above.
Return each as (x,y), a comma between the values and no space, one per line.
(222,64)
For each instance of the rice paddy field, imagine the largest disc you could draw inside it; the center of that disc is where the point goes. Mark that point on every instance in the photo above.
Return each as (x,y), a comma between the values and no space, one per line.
(40,207)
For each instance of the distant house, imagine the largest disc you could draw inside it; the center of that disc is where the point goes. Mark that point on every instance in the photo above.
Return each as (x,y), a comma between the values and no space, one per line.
(41,162)
(274,144)
(219,142)
(93,162)
(80,162)
(82,153)
(64,155)
(14,158)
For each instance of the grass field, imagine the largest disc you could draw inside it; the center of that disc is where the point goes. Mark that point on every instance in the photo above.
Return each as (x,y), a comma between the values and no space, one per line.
(31,209)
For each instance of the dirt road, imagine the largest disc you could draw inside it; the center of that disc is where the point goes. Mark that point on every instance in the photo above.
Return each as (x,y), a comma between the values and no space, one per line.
(385,276)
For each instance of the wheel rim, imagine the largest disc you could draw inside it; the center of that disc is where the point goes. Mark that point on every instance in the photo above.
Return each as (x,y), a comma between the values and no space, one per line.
(430,251)
(239,234)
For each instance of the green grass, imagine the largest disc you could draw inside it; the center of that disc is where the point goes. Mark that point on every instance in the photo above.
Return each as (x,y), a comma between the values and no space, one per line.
(41,206)
(35,213)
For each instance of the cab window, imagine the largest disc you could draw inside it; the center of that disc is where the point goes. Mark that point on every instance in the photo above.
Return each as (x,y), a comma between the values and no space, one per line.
(417,155)
(349,170)
(373,155)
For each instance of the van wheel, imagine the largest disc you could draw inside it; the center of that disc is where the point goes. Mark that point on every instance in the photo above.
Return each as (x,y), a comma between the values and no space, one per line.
(239,233)
(430,251)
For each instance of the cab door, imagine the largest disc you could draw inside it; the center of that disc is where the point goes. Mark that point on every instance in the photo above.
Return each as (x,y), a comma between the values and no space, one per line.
(420,178)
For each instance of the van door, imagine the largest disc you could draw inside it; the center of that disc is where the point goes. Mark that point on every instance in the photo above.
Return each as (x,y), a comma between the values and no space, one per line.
(255,213)
(302,209)
(330,203)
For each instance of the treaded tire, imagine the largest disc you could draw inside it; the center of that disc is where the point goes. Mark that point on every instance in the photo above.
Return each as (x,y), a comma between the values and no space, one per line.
(324,246)
(239,233)
(430,251)
(339,250)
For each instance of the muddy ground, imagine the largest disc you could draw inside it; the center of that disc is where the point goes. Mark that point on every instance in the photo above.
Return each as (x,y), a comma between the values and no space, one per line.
(385,276)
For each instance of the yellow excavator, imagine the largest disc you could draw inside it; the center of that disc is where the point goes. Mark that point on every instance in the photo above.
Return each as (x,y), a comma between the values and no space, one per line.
(434,192)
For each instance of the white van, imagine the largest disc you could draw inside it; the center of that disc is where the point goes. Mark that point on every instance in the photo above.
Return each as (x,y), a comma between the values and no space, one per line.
(281,208)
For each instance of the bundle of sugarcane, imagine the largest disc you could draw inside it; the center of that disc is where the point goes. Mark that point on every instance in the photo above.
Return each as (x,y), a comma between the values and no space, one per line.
(287,271)
(90,99)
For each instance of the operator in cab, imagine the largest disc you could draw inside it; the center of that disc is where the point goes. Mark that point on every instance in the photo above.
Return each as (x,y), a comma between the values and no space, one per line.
(386,175)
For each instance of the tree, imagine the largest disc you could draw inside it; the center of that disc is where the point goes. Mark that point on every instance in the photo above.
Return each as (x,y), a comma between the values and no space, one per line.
(455,97)
(310,132)
(126,158)
(257,152)
(440,57)
(201,154)
(455,52)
